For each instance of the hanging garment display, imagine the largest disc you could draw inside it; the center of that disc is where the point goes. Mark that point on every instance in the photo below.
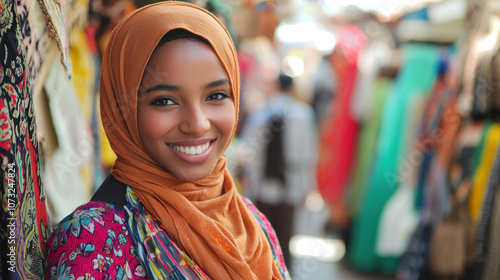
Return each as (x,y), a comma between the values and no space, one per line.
(62,174)
(414,262)
(337,142)
(430,136)
(448,244)
(83,81)
(399,218)
(451,247)
(482,173)
(491,270)
(24,220)
(442,129)
(474,30)
(484,235)
(372,58)
(421,61)
(57,27)
(36,39)
(99,170)
(367,144)
(397,223)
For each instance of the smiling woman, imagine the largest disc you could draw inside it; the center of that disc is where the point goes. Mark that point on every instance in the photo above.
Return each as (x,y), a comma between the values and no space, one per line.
(185,112)
(169,209)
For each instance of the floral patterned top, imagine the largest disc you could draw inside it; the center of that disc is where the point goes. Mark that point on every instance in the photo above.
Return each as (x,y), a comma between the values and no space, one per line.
(104,241)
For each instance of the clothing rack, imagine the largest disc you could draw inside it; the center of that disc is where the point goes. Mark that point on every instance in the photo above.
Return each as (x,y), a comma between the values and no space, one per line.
(447,167)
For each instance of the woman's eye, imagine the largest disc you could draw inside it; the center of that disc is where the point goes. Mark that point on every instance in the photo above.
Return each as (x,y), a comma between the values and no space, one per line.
(163,101)
(217,96)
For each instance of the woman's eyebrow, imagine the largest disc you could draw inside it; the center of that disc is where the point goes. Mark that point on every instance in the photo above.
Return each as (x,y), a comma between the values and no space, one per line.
(167,87)
(163,87)
(217,83)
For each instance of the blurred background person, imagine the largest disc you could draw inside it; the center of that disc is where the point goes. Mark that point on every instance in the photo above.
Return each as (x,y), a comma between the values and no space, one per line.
(281,137)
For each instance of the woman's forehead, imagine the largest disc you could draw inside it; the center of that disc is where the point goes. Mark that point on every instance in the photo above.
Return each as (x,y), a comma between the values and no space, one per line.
(184,59)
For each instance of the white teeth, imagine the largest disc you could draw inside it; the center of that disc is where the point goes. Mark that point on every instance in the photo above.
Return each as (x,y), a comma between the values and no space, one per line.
(192,150)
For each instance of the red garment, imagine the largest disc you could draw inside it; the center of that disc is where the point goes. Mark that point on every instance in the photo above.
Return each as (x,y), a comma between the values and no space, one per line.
(340,132)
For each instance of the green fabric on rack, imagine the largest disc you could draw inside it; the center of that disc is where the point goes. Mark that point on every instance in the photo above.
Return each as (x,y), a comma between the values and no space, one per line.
(417,76)
(365,159)
(399,217)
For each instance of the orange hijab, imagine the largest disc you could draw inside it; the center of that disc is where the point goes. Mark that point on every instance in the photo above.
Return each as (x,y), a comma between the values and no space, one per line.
(217,231)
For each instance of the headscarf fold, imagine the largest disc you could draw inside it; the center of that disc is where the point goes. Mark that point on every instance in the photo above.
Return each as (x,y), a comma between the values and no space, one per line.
(207,218)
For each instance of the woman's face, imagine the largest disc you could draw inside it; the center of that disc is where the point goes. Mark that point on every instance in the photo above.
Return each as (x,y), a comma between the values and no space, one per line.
(185,109)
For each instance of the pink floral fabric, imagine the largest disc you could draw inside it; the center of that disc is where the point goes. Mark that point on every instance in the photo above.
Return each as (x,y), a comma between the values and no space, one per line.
(77,250)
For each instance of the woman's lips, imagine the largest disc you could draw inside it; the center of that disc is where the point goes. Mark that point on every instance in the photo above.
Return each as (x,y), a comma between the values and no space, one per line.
(193,151)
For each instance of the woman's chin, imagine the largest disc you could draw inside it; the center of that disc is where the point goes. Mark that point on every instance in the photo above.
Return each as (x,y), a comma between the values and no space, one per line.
(192,176)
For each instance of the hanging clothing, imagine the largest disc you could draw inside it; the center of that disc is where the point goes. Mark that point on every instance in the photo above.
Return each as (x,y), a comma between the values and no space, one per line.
(481,175)
(399,217)
(74,150)
(99,170)
(84,79)
(430,133)
(414,262)
(36,39)
(57,27)
(339,133)
(436,197)
(365,157)
(83,71)
(372,58)
(491,270)
(421,61)
(484,236)
(23,214)
(425,114)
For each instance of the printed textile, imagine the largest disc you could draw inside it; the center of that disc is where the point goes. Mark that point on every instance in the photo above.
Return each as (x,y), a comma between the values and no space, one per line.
(56,21)
(135,246)
(23,215)
(36,40)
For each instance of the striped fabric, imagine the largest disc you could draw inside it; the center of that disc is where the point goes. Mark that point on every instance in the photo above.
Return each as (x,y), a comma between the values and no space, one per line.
(162,257)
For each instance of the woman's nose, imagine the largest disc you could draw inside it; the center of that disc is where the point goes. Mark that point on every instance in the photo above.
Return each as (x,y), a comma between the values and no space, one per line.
(195,121)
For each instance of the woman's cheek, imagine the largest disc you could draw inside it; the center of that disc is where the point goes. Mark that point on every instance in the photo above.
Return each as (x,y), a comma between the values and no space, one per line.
(155,124)
(226,119)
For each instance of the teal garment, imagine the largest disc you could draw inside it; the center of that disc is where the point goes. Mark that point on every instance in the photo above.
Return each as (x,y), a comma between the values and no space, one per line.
(367,144)
(416,77)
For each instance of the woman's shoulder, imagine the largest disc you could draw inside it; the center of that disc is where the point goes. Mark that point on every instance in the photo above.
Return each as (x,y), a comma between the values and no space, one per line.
(271,236)
(261,218)
(87,218)
(92,241)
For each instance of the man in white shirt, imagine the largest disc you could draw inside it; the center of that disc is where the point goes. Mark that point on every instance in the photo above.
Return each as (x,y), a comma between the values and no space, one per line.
(278,186)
